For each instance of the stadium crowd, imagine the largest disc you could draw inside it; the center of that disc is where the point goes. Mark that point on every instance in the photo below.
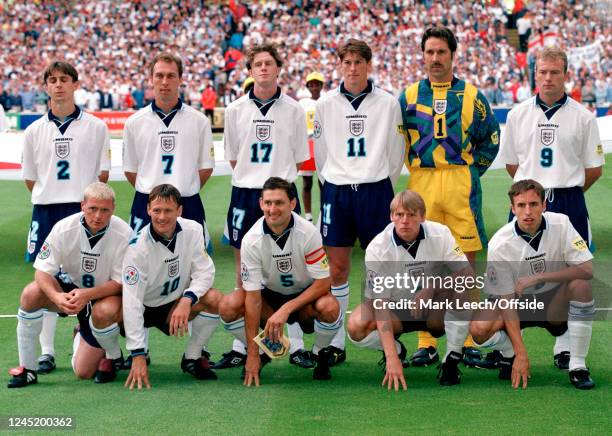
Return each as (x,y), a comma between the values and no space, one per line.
(111,41)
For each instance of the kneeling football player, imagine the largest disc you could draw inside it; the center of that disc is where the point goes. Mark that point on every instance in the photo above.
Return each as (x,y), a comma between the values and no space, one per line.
(78,266)
(286,278)
(538,275)
(167,282)
(411,247)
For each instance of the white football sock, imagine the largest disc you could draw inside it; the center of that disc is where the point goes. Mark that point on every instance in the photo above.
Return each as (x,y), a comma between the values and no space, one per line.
(47,335)
(202,328)
(501,342)
(456,328)
(236,328)
(580,326)
(239,346)
(341,293)
(562,343)
(29,325)
(296,337)
(325,332)
(108,338)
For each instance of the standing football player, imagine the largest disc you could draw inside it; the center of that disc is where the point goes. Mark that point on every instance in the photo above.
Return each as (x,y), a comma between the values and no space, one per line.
(453,138)
(359,152)
(167,142)
(63,152)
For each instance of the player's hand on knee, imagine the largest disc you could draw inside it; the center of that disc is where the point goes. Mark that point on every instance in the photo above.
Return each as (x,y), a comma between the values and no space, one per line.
(251,370)
(394,375)
(79,297)
(275,325)
(139,374)
(63,303)
(180,318)
(520,371)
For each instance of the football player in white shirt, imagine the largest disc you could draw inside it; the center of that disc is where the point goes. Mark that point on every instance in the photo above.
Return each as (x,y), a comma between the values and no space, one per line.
(359,153)
(264,136)
(63,152)
(78,265)
(285,277)
(167,142)
(555,140)
(537,258)
(167,282)
(412,247)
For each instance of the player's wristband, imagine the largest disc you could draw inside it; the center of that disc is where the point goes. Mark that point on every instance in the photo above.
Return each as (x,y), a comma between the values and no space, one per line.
(193,297)
(138,352)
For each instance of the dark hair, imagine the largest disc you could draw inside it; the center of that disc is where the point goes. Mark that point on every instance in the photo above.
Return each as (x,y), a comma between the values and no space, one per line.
(63,67)
(263,48)
(278,183)
(523,186)
(357,47)
(167,57)
(441,33)
(165,192)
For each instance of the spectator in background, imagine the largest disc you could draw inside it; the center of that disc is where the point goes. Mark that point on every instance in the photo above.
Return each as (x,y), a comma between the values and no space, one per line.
(576,92)
(3,121)
(138,96)
(523,26)
(524,91)
(3,97)
(588,93)
(194,96)
(27,95)
(492,92)
(209,100)
(601,91)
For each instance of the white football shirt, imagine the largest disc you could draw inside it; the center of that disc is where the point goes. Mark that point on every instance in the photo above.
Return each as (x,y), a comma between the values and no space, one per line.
(267,145)
(173,154)
(432,253)
(510,256)
(68,246)
(64,164)
(153,275)
(288,269)
(362,145)
(554,152)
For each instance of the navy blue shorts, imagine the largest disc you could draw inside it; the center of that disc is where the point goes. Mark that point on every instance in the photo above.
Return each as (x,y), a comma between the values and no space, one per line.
(275,300)
(44,217)
(83,316)
(354,211)
(193,209)
(539,318)
(158,317)
(244,210)
(570,202)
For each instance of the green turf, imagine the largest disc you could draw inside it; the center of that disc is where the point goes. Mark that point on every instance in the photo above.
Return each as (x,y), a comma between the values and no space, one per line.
(289,401)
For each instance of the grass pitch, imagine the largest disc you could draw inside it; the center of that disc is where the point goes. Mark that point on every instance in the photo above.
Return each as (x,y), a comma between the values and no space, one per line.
(289,401)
